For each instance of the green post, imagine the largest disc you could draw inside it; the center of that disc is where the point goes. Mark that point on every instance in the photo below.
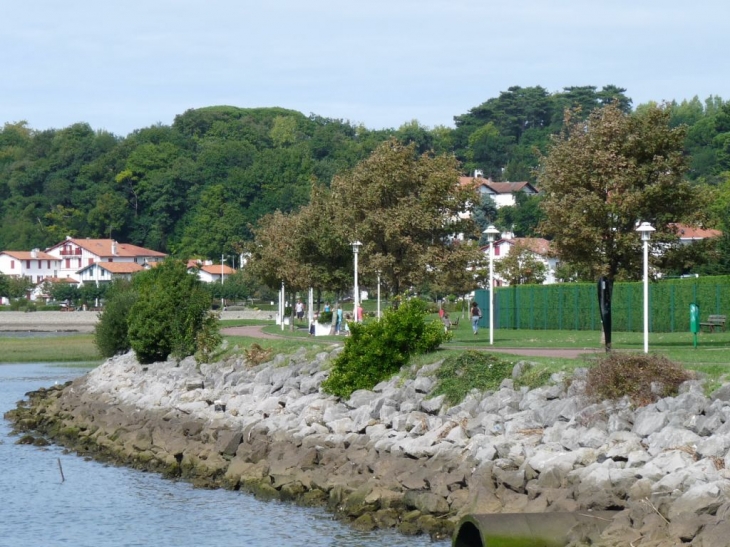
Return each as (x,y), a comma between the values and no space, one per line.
(694,321)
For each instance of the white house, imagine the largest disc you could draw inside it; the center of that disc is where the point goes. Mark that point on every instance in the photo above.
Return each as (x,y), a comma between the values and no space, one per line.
(105,272)
(76,253)
(503,193)
(539,247)
(690,234)
(35,265)
(210,273)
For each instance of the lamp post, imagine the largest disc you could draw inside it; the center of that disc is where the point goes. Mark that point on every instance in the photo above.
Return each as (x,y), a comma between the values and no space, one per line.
(222,276)
(645,229)
(356,296)
(492,233)
(378,295)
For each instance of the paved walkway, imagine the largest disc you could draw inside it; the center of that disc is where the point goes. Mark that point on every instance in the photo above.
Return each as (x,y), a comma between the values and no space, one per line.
(256,331)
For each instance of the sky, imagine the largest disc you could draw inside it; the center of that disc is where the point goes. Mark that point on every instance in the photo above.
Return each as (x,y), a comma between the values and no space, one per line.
(124,65)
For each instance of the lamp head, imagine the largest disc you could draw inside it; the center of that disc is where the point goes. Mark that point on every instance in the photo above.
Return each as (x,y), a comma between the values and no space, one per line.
(645,229)
(356,246)
(491,232)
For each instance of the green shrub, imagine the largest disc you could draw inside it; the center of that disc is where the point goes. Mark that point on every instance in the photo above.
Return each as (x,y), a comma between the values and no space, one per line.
(325,317)
(461,373)
(643,378)
(169,312)
(377,350)
(111,332)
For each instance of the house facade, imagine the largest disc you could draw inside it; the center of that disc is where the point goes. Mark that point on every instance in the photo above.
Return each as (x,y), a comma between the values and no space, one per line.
(35,265)
(538,247)
(503,193)
(106,272)
(76,254)
(210,273)
(690,234)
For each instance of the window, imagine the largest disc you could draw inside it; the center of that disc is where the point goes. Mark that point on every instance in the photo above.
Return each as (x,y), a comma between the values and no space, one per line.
(496,250)
(91,261)
(68,264)
(48,264)
(12,264)
(27,264)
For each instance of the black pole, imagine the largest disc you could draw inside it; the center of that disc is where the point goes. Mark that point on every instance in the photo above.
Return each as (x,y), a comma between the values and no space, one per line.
(605,288)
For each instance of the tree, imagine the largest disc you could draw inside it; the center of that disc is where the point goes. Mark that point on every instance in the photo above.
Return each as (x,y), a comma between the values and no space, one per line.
(521,267)
(485,214)
(406,210)
(523,218)
(603,175)
(169,312)
(111,334)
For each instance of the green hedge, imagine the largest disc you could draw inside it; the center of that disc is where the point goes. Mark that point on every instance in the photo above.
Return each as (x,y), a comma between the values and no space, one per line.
(574,306)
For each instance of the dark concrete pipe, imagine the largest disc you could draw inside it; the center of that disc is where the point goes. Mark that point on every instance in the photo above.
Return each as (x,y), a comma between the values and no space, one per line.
(525,529)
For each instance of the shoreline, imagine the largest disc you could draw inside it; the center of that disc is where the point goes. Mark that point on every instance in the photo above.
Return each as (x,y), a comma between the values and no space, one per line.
(395,457)
(81,321)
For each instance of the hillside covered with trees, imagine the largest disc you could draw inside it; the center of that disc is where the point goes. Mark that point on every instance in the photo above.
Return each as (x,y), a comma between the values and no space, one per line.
(199,186)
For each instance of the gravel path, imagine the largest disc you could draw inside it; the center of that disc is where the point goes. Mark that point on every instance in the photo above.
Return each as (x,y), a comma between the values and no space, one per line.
(256,331)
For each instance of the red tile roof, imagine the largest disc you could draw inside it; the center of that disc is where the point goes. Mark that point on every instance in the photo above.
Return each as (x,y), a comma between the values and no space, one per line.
(103,248)
(28,255)
(215,269)
(692,232)
(115,267)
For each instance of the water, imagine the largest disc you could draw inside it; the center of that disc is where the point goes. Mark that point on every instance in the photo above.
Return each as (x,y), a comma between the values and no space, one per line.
(105,506)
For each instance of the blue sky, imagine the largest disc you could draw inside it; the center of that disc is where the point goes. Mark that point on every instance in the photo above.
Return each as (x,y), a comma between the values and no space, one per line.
(123,65)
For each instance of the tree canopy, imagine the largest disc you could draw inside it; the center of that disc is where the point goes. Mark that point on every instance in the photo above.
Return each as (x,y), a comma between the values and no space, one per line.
(197,187)
(605,174)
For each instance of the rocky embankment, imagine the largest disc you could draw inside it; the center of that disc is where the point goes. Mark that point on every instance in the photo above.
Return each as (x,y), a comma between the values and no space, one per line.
(396,457)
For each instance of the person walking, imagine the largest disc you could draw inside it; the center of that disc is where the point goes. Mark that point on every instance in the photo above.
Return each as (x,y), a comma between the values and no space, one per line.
(476,315)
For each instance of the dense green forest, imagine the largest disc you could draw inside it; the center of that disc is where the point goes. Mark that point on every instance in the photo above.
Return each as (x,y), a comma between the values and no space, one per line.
(197,187)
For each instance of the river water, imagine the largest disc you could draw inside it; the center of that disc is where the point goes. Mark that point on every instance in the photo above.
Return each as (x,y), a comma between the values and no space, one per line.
(103,506)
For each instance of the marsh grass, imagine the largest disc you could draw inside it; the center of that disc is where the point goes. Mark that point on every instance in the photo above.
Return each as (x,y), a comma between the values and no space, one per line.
(49,349)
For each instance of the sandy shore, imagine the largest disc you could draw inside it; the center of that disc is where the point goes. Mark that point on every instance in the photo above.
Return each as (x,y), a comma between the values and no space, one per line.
(81,321)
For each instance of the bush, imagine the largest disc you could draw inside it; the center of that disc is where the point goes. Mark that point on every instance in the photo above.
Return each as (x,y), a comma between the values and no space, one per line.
(643,378)
(324,317)
(111,333)
(377,350)
(169,312)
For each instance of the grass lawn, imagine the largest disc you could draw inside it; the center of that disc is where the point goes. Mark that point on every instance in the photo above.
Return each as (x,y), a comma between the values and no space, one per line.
(49,349)
(711,357)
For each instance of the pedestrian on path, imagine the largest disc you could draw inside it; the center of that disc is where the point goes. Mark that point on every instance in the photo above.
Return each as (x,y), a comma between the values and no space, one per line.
(476,315)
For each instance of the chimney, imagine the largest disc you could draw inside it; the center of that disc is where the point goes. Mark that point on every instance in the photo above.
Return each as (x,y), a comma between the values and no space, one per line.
(114,247)
(478,174)
(34,253)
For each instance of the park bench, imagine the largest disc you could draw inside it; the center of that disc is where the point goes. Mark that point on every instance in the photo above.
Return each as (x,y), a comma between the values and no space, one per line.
(714,321)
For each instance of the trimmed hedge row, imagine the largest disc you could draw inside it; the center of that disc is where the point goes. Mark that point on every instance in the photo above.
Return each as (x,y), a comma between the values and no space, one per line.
(574,306)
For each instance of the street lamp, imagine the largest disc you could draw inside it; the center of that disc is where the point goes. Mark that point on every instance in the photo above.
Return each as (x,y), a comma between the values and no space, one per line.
(356,296)
(492,233)
(645,229)
(378,295)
